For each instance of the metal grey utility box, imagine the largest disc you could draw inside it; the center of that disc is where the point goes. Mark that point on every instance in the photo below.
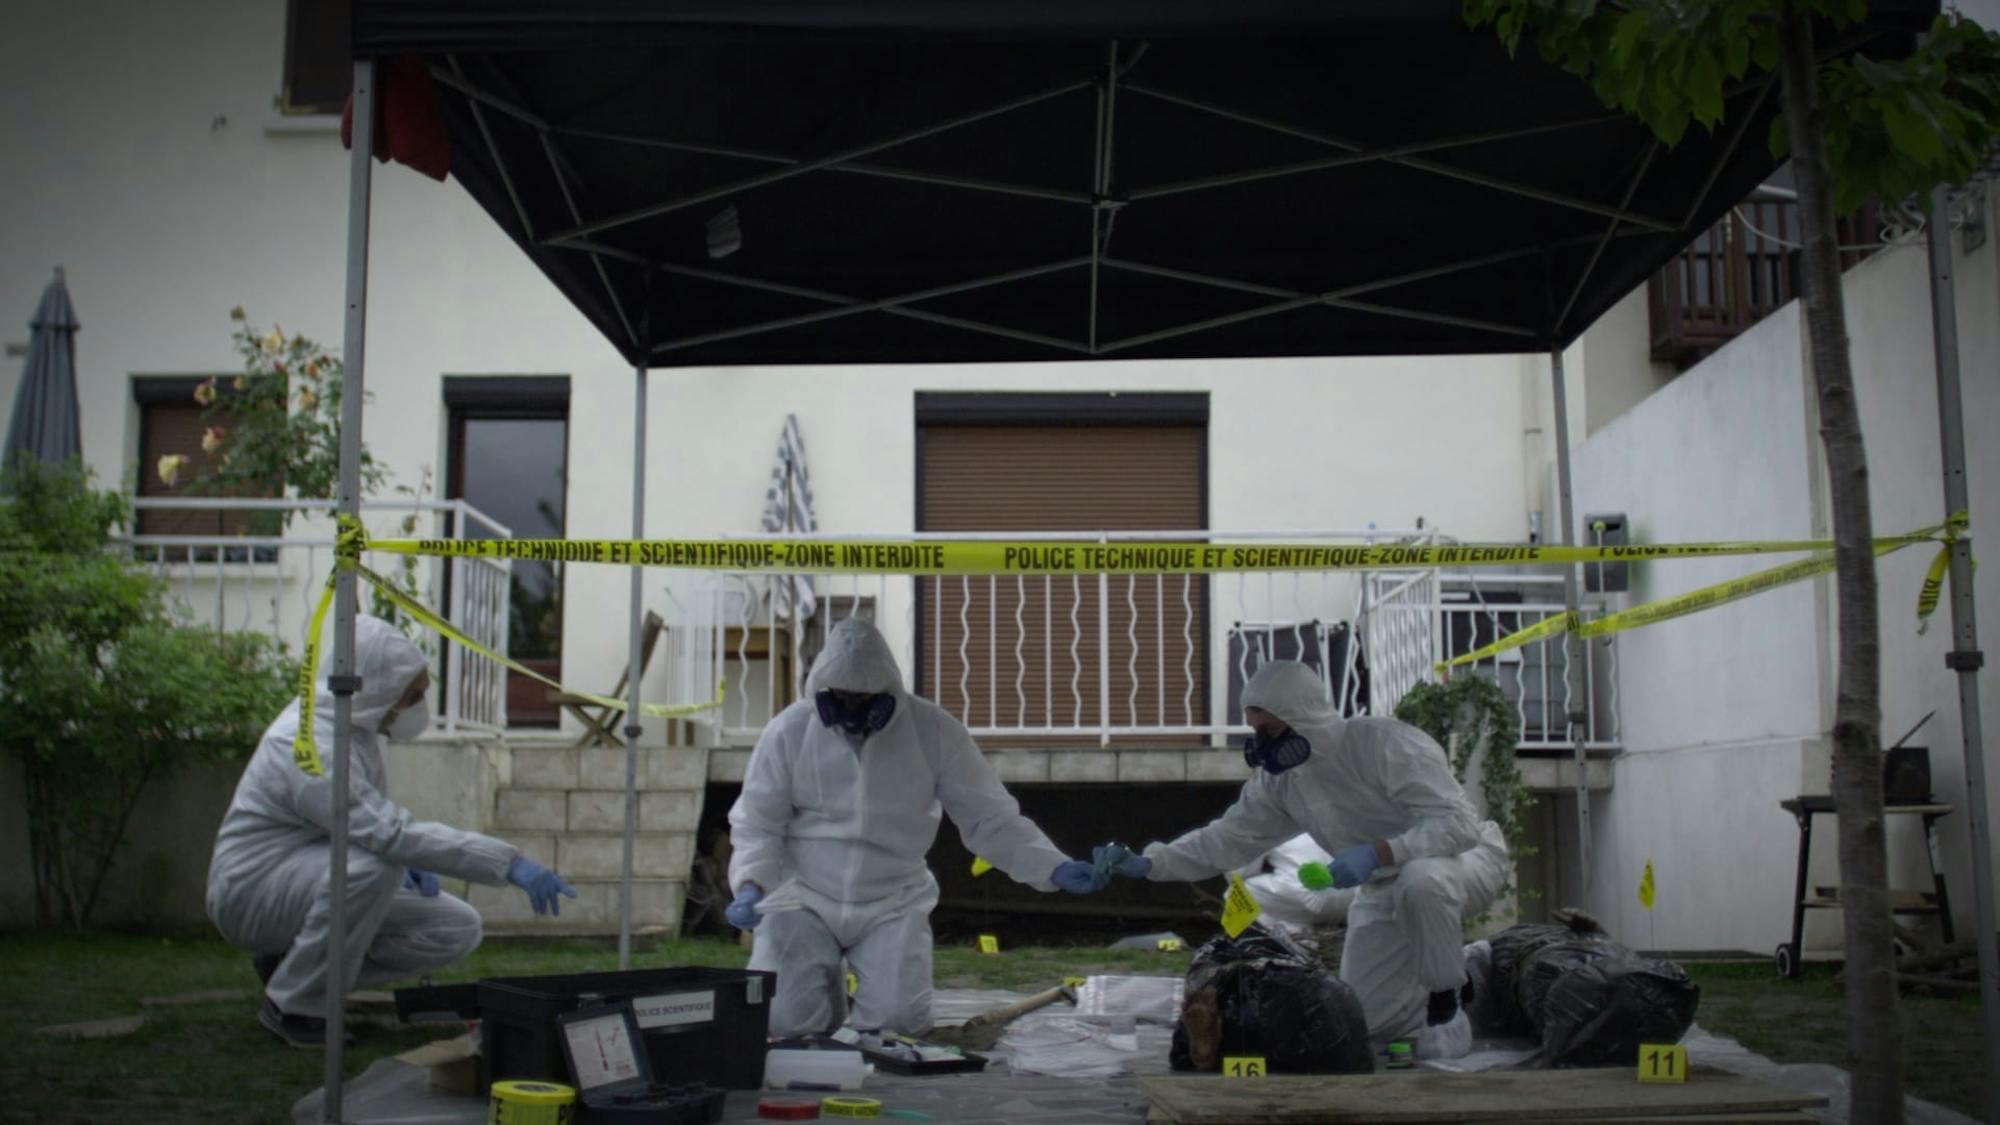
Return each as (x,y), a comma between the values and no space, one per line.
(1606,530)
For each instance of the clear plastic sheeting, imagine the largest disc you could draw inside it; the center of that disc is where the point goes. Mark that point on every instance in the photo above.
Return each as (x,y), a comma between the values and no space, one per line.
(1068,1046)
(1706,1049)
(395,1093)
(1148,999)
(1121,1025)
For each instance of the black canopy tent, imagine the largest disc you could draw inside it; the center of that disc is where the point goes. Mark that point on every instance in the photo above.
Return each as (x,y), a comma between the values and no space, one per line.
(733,182)
(967,181)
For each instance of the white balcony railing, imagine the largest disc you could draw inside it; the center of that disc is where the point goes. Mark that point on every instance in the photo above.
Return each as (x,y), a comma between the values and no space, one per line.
(269,583)
(1123,660)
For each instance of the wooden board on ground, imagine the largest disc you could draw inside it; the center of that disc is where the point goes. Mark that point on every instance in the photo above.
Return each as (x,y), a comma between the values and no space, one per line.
(1801,1117)
(1432,1096)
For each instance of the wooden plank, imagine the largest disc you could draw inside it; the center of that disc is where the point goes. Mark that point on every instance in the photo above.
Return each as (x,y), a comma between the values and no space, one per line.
(1161,1117)
(1430,1096)
(1732,1118)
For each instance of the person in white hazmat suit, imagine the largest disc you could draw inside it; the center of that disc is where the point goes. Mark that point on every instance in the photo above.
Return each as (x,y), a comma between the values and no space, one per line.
(1379,796)
(268,881)
(840,804)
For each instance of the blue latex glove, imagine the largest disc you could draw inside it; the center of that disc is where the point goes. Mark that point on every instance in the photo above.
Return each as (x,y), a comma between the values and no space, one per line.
(742,913)
(544,886)
(1117,859)
(422,882)
(1352,867)
(1079,878)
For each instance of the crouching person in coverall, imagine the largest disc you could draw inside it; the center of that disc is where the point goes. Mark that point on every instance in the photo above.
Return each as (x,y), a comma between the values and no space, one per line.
(1379,796)
(269,886)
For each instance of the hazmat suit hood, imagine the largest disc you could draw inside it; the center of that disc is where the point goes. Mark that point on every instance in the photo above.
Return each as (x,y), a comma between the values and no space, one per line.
(386,661)
(1296,694)
(856,658)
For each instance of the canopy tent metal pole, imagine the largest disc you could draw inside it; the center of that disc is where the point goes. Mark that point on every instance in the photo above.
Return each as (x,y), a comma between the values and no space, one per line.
(633,727)
(343,682)
(1965,657)
(1577,717)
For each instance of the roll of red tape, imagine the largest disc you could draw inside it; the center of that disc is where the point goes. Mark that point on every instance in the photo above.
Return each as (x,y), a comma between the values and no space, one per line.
(788,1109)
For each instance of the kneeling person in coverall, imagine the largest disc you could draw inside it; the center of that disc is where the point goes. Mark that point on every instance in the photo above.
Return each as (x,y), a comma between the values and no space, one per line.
(840,805)
(268,882)
(1379,796)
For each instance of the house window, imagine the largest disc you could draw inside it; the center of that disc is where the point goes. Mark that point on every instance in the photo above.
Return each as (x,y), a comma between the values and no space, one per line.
(171,423)
(998,653)
(319,67)
(509,457)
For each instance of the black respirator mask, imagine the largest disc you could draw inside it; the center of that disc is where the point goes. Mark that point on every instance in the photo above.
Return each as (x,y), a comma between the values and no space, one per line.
(1279,754)
(857,713)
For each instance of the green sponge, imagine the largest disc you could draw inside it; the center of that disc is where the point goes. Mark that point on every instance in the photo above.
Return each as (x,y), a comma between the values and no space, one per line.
(1315,876)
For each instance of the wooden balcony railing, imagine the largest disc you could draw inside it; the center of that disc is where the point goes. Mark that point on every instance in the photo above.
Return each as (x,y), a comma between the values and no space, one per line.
(1735,274)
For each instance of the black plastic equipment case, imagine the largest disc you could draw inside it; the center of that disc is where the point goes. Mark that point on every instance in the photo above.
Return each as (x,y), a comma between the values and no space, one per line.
(635,1100)
(438,1003)
(707,1025)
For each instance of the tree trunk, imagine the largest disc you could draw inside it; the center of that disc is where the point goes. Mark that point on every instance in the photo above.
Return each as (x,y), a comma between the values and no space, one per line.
(1875,1030)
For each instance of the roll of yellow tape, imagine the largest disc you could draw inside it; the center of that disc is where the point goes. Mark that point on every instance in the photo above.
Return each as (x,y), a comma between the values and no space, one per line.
(515,1102)
(851,1107)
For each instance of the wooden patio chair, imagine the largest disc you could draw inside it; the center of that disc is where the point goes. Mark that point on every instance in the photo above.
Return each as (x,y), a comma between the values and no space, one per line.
(599,721)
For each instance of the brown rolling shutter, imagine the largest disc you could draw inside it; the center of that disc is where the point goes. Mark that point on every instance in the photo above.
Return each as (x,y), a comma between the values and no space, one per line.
(1029,477)
(168,427)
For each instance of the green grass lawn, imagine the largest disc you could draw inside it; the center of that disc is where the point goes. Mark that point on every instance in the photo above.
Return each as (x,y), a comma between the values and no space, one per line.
(1805,1021)
(210,1062)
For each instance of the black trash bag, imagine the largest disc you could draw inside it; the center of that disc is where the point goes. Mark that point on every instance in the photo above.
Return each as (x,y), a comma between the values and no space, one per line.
(1260,994)
(1490,1005)
(1600,1014)
(1588,1000)
(1516,945)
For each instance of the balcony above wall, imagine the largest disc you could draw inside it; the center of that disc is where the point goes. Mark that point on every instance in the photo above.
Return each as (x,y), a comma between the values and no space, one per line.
(1738,272)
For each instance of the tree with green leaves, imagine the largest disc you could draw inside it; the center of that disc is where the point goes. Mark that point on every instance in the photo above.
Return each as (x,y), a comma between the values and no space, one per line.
(103,691)
(1857,128)
(1470,718)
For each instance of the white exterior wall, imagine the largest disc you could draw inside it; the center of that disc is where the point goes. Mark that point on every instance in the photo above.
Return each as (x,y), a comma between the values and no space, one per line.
(1617,354)
(1725,713)
(144,157)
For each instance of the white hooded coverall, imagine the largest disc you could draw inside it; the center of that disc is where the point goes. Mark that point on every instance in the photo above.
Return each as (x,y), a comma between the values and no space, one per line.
(268,882)
(847,823)
(1367,779)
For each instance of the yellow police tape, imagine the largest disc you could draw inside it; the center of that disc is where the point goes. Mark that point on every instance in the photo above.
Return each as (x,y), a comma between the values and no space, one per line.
(1722,593)
(305,748)
(1035,557)
(947,556)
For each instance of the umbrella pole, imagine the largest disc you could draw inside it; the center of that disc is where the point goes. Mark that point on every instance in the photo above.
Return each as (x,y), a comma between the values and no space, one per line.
(1964,659)
(1576,707)
(343,682)
(633,727)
